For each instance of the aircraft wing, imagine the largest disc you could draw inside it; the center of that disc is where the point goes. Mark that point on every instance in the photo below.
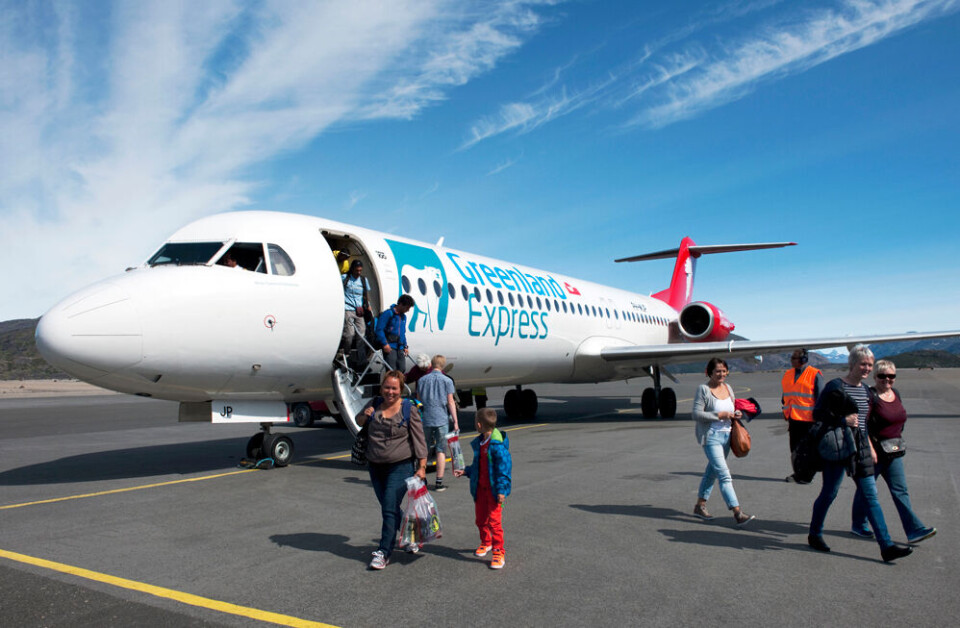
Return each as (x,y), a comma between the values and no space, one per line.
(687,352)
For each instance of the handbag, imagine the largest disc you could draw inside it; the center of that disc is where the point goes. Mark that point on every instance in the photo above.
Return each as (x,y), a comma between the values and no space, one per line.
(893,447)
(358,453)
(739,439)
(837,444)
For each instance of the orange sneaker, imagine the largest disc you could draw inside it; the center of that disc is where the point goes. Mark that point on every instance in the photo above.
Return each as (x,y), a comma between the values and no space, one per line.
(497,562)
(483,550)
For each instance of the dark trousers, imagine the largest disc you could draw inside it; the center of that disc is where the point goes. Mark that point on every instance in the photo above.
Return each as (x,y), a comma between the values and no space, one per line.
(797,430)
(390,485)
(396,360)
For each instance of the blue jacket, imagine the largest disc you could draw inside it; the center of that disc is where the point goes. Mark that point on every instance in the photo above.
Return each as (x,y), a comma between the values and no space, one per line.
(391,328)
(498,462)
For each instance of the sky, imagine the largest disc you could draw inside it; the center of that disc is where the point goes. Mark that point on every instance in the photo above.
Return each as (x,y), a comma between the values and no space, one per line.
(556,134)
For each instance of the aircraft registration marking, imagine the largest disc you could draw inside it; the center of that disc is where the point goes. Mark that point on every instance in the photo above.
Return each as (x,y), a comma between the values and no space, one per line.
(170,594)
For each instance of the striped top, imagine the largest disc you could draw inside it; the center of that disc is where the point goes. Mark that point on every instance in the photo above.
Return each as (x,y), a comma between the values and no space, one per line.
(862,397)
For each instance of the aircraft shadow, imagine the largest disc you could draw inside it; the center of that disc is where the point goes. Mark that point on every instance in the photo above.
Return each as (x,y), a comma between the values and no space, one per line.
(157,460)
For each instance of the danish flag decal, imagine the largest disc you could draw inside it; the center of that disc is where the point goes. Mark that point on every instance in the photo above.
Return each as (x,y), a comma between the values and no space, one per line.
(571,289)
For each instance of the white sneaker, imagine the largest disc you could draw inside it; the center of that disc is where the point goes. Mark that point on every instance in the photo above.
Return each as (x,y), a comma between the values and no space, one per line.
(379,561)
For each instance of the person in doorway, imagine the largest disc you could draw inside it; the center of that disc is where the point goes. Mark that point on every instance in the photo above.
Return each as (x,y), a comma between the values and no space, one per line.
(713,412)
(355,305)
(435,391)
(801,385)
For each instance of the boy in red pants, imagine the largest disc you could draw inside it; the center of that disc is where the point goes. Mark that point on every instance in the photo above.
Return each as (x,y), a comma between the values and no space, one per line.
(489,475)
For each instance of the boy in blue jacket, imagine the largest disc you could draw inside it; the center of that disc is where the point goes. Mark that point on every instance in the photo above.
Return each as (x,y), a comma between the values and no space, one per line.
(489,475)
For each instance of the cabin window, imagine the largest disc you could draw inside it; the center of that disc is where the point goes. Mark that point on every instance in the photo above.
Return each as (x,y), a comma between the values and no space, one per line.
(185,253)
(246,255)
(280,262)
(463,291)
(500,297)
(451,291)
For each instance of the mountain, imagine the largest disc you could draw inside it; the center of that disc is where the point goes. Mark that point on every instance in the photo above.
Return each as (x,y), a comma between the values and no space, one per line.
(19,358)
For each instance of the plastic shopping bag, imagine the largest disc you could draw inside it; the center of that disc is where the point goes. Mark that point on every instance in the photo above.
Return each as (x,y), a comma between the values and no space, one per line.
(455,451)
(421,521)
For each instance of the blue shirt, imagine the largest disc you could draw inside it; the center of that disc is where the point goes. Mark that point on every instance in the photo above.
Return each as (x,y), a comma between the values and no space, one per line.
(432,391)
(353,291)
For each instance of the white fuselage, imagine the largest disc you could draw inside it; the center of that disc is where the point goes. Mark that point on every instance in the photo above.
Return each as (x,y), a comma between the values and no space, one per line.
(207,331)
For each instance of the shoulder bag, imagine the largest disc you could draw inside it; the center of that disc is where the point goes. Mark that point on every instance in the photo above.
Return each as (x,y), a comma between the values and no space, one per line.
(739,439)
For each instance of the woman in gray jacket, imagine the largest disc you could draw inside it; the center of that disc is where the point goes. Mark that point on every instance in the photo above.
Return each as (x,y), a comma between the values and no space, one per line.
(713,411)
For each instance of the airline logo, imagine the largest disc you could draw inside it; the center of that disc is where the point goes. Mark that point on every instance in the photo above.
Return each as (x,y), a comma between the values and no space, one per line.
(422,276)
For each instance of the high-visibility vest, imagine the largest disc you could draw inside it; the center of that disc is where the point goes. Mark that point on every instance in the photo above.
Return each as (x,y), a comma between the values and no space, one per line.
(798,400)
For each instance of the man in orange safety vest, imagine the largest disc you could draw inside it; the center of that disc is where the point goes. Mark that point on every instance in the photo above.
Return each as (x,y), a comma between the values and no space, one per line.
(801,386)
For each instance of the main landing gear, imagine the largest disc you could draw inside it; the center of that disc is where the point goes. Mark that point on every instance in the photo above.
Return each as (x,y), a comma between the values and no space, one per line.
(657,398)
(520,403)
(263,444)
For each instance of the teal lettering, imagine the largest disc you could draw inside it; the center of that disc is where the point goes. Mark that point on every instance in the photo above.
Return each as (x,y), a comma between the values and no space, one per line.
(555,288)
(533,321)
(521,281)
(543,321)
(491,276)
(523,321)
(473,265)
(469,279)
(536,285)
(504,278)
(471,314)
(501,331)
(489,312)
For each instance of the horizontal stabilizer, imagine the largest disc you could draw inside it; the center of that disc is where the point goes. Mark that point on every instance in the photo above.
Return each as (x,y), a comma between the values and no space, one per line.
(697,250)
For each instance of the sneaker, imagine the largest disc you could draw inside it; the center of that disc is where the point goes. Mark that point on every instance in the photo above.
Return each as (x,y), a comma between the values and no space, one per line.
(700,510)
(816,542)
(379,560)
(892,553)
(482,550)
(743,519)
(439,487)
(863,534)
(413,548)
(925,534)
(497,562)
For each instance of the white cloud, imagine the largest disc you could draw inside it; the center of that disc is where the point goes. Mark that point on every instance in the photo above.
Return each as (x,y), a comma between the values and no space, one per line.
(119,124)
(786,48)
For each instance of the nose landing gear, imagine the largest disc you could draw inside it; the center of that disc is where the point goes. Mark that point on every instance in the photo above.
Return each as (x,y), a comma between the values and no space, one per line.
(263,444)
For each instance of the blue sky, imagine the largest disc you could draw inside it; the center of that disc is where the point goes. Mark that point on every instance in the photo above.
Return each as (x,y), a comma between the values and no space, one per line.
(556,134)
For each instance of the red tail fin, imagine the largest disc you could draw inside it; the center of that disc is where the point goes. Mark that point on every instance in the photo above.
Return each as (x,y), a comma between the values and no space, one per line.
(681,284)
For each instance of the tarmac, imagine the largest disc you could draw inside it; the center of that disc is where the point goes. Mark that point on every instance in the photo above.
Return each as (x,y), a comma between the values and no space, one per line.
(113,514)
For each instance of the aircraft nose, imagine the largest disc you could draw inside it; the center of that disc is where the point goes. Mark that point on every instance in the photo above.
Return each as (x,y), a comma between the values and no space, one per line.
(93,332)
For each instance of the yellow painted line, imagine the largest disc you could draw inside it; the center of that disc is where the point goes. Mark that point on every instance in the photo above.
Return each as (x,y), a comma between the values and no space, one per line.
(170,594)
(125,490)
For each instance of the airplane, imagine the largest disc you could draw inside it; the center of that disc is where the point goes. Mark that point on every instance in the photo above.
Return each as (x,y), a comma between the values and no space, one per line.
(238,316)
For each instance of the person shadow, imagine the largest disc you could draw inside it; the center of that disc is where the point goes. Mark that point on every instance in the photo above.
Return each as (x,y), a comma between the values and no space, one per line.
(339,545)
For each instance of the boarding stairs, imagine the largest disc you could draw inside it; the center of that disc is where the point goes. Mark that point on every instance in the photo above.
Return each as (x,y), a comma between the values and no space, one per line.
(356,380)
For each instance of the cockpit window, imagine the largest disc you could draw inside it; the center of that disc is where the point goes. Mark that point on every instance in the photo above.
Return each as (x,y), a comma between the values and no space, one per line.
(185,253)
(280,262)
(246,255)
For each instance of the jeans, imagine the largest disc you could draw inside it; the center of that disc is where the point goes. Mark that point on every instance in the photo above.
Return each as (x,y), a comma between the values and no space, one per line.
(892,471)
(832,474)
(390,484)
(717,447)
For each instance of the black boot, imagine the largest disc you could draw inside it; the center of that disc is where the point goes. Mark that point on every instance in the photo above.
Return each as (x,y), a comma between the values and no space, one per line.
(816,542)
(894,552)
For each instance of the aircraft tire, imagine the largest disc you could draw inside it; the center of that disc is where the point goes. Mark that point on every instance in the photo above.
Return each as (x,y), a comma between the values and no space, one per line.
(511,404)
(280,448)
(255,446)
(528,404)
(668,403)
(648,403)
(302,414)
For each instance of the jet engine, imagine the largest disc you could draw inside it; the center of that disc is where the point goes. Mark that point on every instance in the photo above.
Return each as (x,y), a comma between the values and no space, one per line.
(704,322)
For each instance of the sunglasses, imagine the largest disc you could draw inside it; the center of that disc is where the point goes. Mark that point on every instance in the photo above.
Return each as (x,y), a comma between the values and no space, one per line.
(886,376)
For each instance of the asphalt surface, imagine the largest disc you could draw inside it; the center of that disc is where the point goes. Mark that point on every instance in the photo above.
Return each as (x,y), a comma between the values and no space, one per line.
(150,524)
